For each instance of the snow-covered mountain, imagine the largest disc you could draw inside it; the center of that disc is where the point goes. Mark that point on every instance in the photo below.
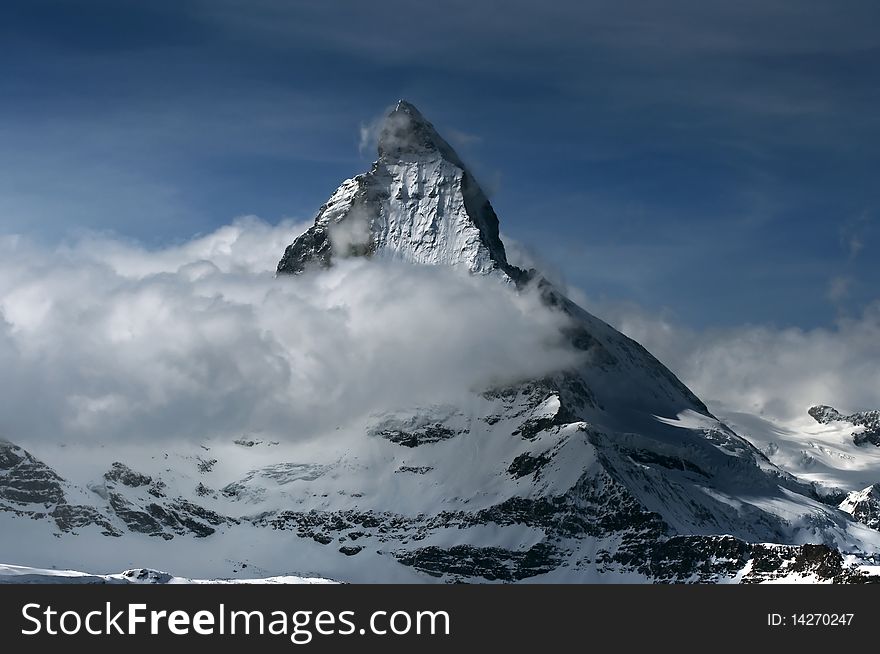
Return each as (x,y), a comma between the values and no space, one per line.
(609,469)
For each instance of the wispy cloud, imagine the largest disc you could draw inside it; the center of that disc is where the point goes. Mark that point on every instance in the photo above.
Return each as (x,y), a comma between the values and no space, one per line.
(855,232)
(839,288)
(462,139)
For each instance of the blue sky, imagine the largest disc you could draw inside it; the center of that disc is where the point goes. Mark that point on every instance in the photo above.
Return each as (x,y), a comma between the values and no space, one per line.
(717,161)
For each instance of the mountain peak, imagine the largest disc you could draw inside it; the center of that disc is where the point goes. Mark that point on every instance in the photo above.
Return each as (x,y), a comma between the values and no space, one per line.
(418,203)
(405,133)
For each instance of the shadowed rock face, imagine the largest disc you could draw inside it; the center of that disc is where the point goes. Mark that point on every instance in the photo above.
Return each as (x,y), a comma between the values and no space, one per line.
(870,420)
(27,480)
(121,473)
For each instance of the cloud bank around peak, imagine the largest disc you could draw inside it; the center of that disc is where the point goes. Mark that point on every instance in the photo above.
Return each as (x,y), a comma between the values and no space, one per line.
(103,340)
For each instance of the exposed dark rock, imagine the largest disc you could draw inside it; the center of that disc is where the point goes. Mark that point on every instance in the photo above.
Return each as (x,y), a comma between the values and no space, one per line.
(70,516)
(26,479)
(179,521)
(147,576)
(350,550)
(157,488)
(709,559)
(829,495)
(824,414)
(490,563)
(135,519)
(164,520)
(416,470)
(526,464)
(695,559)
(421,436)
(570,392)
(821,560)
(310,249)
(595,506)
(534,426)
(205,465)
(672,463)
(11,455)
(774,561)
(211,517)
(121,473)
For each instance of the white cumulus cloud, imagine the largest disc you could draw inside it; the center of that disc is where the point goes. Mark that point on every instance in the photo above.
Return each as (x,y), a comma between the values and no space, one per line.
(103,340)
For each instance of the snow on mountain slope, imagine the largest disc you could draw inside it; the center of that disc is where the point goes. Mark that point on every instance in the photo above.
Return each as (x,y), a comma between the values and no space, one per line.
(838,452)
(607,469)
(16,574)
(822,452)
(361,507)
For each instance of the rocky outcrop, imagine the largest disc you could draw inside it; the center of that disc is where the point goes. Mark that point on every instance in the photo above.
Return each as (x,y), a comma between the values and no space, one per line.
(25,480)
(864,506)
(868,420)
(126,500)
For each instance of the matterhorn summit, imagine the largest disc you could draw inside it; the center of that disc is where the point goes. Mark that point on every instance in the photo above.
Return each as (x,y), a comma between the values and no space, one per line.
(418,203)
